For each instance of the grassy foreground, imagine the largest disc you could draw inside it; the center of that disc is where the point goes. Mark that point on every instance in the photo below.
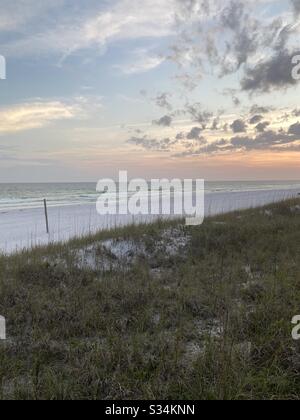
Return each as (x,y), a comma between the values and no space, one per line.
(202,314)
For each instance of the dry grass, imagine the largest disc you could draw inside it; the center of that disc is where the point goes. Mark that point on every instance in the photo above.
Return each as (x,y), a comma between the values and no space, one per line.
(210,319)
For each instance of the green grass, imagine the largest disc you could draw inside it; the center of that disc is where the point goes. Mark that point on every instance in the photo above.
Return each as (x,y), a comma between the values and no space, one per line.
(213,322)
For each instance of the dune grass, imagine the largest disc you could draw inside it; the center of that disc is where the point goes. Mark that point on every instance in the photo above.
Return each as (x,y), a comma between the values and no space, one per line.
(210,321)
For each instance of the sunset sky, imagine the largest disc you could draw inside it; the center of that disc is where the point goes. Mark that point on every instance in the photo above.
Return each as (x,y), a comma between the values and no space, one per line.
(189,88)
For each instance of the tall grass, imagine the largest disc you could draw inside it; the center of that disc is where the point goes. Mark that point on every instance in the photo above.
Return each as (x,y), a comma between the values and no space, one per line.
(212,321)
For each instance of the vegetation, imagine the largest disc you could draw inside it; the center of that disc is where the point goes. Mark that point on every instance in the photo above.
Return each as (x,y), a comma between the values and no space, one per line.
(198,313)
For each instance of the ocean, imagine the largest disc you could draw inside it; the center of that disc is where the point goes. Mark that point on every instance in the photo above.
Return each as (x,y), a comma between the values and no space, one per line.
(30,196)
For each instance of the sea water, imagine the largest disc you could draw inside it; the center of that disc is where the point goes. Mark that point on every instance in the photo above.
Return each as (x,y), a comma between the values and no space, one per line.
(30,196)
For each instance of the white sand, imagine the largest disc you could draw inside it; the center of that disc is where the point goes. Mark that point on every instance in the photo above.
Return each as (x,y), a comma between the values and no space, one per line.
(26,228)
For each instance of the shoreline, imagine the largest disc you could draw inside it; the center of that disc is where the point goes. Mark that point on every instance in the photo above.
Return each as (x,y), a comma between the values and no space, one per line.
(24,229)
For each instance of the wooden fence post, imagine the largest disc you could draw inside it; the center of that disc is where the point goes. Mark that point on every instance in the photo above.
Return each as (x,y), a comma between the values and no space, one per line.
(46,216)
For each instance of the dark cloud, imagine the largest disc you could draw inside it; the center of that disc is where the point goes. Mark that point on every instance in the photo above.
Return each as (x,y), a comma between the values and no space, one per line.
(217,146)
(164,145)
(198,115)
(195,134)
(261,127)
(239,126)
(256,109)
(235,37)
(165,121)
(151,144)
(266,140)
(189,82)
(250,36)
(263,141)
(236,101)
(246,32)
(233,93)
(212,50)
(285,117)
(162,100)
(229,41)
(296,6)
(296,113)
(256,119)
(215,124)
(269,140)
(275,73)
(231,16)
(196,144)
(180,136)
(295,129)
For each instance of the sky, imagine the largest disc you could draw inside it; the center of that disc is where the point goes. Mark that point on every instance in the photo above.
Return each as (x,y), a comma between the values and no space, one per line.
(160,88)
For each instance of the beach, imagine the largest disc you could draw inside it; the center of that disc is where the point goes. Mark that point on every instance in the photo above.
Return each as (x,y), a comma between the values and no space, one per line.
(26,228)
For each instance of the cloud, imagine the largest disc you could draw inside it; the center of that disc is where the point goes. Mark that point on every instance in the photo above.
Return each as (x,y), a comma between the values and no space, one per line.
(231,36)
(33,115)
(193,143)
(236,101)
(256,109)
(180,136)
(246,31)
(239,126)
(195,134)
(187,140)
(217,146)
(142,61)
(197,114)
(151,143)
(215,124)
(256,119)
(165,121)
(261,127)
(96,27)
(267,140)
(272,74)
(162,100)
(295,129)
(296,7)
(296,113)
(226,35)
(16,14)
(264,141)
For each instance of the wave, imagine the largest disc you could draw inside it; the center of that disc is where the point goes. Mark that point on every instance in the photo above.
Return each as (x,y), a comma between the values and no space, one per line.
(26,196)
